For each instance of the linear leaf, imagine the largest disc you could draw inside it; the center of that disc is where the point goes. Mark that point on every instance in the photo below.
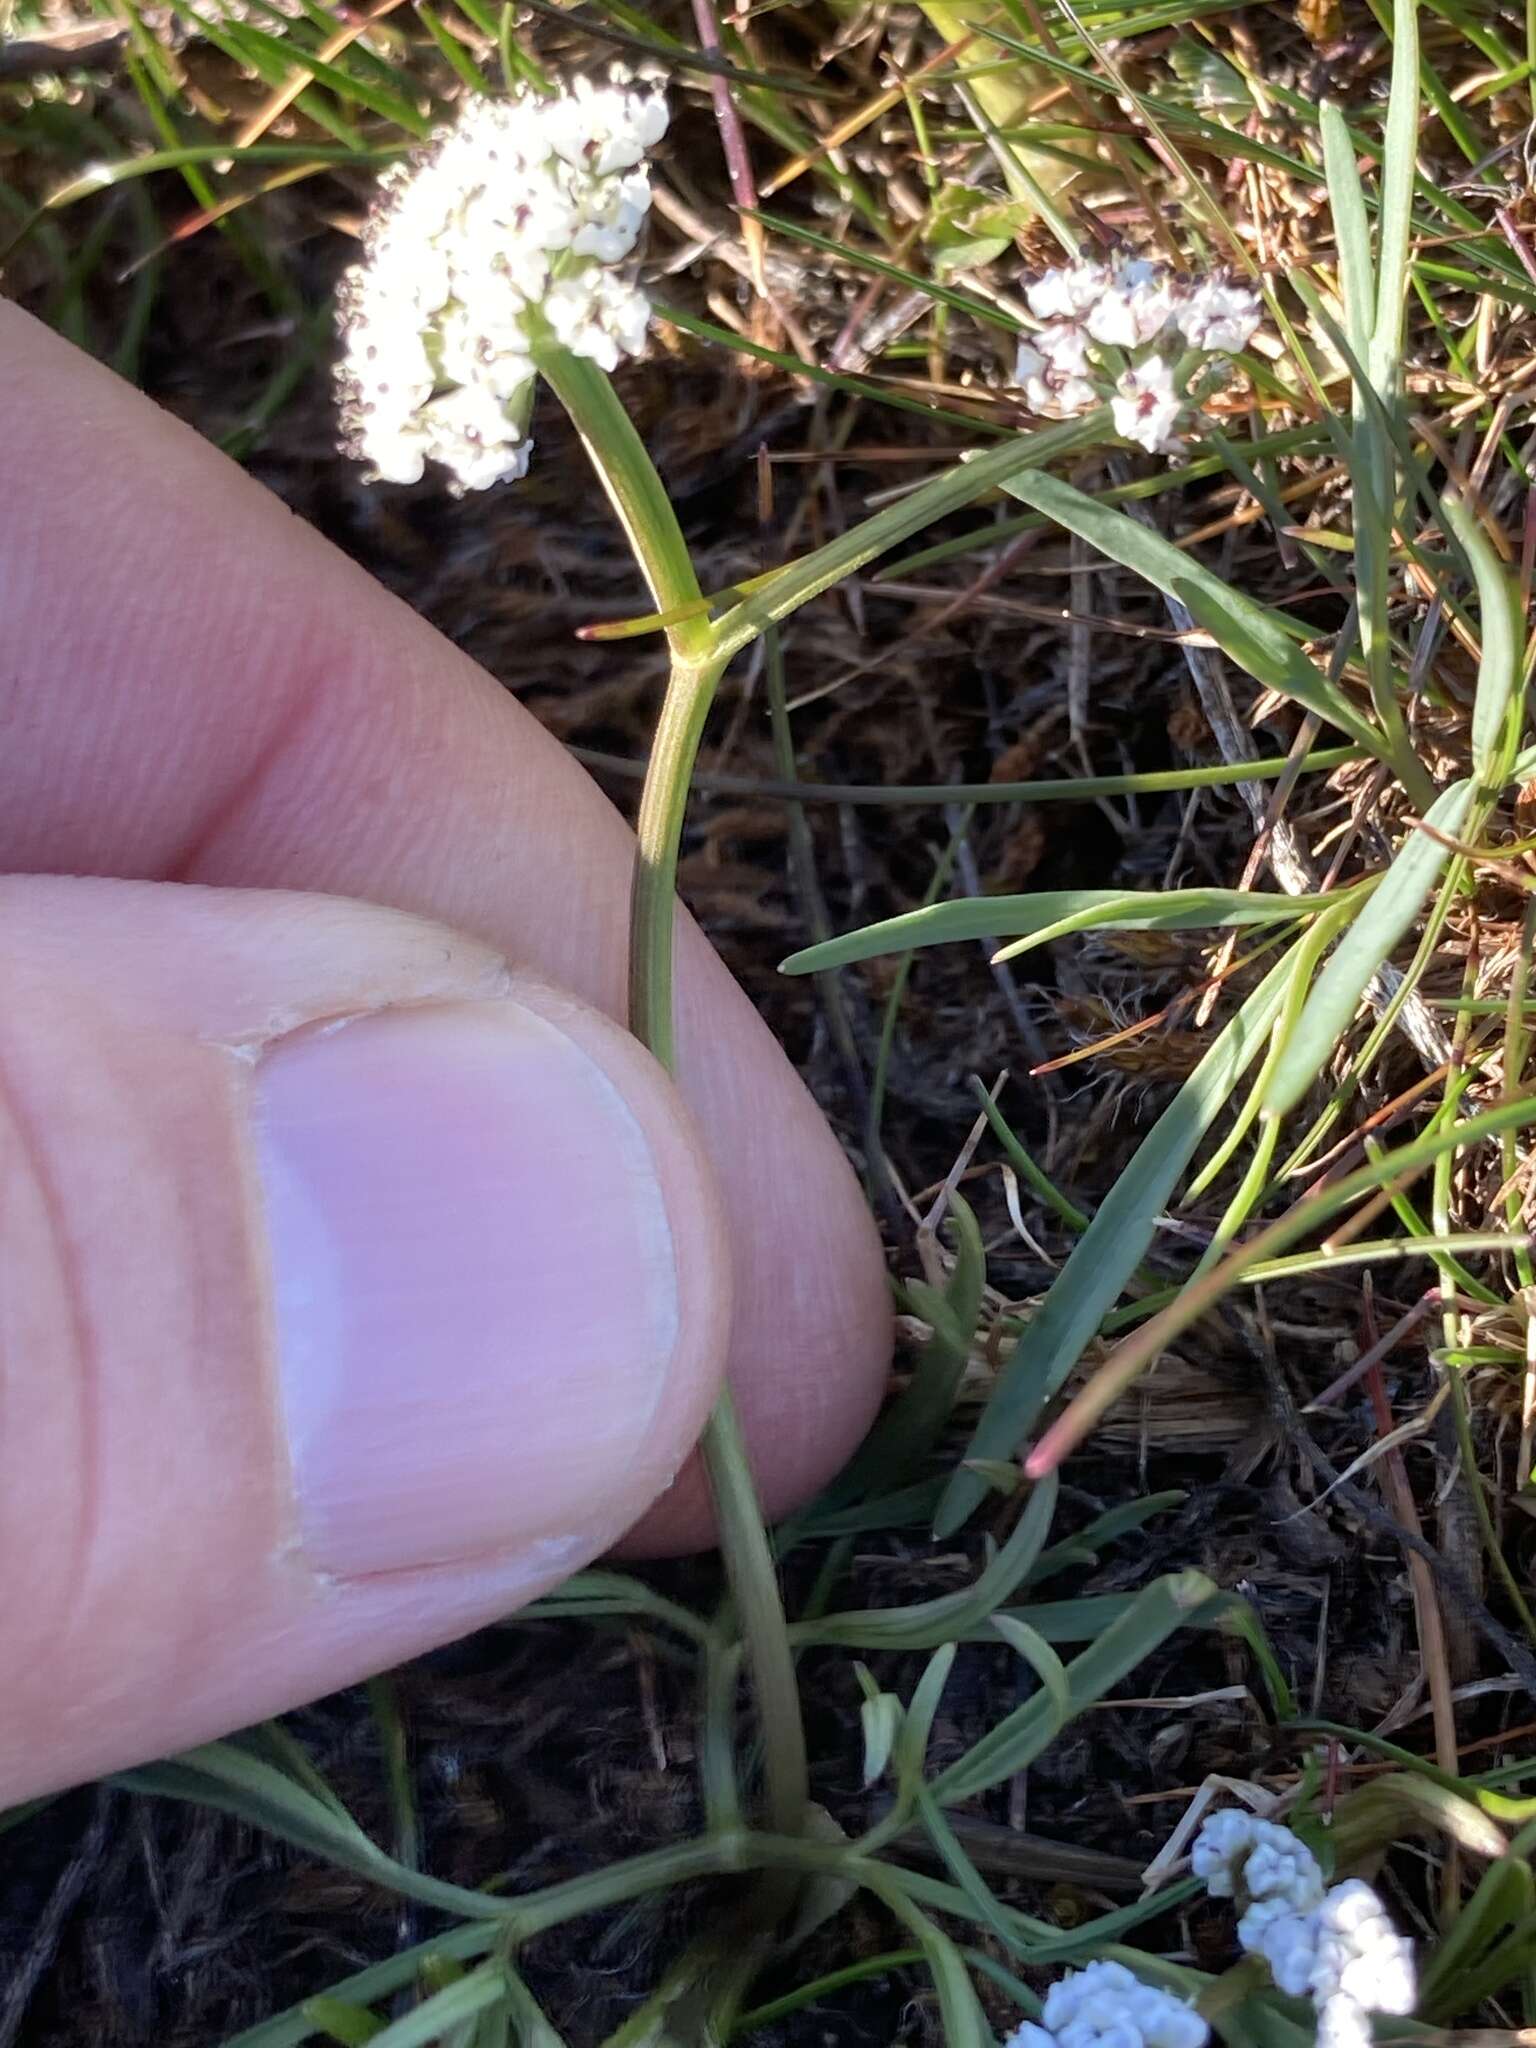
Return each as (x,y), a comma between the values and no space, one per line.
(927,1624)
(800,581)
(1502,645)
(1053,914)
(1156,1611)
(1397,901)
(1400,148)
(1351,229)
(1041,1659)
(228,1779)
(896,1447)
(451,2007)
(1244,630)
(291,2028)
(1110,1249)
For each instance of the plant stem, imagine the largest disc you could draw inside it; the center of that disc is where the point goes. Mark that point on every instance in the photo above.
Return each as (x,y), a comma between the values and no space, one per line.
(645,511)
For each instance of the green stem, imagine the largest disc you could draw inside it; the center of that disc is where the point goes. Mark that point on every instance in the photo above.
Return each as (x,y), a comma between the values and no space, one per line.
(645,511)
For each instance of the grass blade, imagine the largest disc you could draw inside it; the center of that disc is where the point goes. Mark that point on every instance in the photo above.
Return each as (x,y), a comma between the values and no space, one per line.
(450,2007)
(1244,630)
(1053,914)
(1346,197)
(1397,901)
(1399,154)
(1167,1604)
(1111,1249)
(1502,645)
(901,1440)
(798,582)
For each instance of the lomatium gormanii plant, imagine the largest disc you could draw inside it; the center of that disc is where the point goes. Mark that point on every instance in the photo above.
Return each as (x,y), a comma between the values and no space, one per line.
(506,253)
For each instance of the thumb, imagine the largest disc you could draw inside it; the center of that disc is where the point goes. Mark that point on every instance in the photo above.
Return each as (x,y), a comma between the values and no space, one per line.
(355,1291)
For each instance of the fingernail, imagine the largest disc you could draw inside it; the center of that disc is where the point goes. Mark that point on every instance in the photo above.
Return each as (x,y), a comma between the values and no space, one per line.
(473,1280)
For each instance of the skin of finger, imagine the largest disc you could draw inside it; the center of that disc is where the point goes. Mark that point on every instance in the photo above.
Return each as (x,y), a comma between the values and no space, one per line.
(198,688)
(154,1594)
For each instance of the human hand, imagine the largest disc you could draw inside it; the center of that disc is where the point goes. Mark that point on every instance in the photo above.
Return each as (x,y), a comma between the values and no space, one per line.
(361,1278)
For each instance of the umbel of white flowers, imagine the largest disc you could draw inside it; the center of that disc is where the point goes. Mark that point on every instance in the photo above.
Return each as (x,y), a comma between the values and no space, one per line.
(1125,331)
(1106,2006)
(1337,1947)
(514,215)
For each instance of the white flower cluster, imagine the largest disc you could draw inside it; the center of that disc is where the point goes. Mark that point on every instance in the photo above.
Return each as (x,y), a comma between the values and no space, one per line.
(1348,1958)
(506,222)
(1119,331)
(1106,2006)
(1263,1867)
(1336,1947)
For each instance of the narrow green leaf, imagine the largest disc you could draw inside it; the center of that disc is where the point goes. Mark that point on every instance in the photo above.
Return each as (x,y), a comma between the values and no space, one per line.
(284,57)
(629,477)
(454,52)
(912,1741)
(833,380)
(909,1429)
(798,582)
(18,1816)
(1505,1895)
(1245,630)
(1053,914)
(1103,1530)
(1502,644)
(877,266)
(291,2028)
(880,1719)
(226,1778)
(1398,176)
(1041,1659)
(249,48)
(450,2007)
(989,1912)
(1351,229)
(961,2023)
(1397,901)
(1169,1603)
(1111,1249)
(928,1624)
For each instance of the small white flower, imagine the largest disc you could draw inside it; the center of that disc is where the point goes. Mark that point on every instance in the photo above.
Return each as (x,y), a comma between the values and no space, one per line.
(1147,406)
(1050,367)
(1107,2006)
(612,217)
(467,431)
(603,128)
(1065,347)
(1288,1943)
(598,315)
(1135,308)
(1218,316)
(1066,294)
(1221,1848)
